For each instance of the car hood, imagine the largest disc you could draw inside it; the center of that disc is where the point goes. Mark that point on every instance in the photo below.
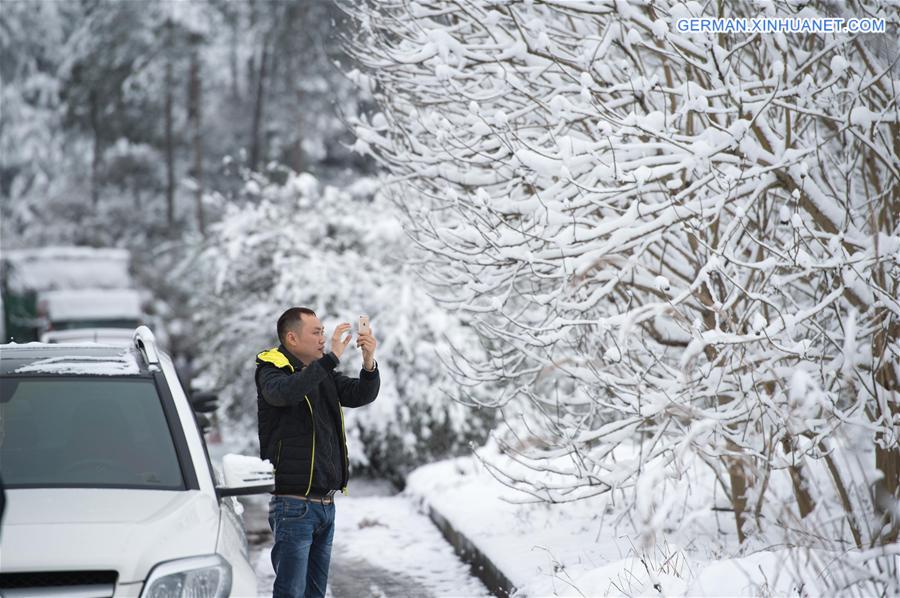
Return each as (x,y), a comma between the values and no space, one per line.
(128,531)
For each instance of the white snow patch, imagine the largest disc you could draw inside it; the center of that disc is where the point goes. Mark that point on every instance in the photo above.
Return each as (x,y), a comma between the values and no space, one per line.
(123,364)
(67,268)
(839,64)
(92,304)
(862,116)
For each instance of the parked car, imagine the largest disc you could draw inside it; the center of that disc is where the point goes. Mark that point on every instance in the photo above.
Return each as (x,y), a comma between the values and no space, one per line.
(89,308)
(110,488)
(28,277)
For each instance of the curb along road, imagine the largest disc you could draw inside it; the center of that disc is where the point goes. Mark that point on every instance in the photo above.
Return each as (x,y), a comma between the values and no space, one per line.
(482,567)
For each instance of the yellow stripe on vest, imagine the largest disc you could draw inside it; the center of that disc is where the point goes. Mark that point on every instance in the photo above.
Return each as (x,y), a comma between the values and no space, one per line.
(346,449)
(312,461)
(276,358)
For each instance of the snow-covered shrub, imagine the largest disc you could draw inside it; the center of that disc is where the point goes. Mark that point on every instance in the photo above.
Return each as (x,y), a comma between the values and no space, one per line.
(341,253)
(687,241)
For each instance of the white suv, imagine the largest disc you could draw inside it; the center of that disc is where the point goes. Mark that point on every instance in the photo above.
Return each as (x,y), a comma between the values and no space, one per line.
(110,490)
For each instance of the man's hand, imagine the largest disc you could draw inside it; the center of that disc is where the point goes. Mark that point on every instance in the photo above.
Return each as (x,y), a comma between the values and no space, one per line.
(367,343)
(337,344)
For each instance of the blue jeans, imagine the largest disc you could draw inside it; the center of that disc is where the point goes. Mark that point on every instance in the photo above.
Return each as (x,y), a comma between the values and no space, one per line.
(303,532)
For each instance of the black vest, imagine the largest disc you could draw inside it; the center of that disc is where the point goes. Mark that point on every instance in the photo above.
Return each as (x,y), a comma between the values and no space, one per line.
(306,442)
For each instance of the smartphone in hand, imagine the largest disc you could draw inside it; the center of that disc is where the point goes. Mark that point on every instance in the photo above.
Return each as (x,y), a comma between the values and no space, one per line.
(364,325)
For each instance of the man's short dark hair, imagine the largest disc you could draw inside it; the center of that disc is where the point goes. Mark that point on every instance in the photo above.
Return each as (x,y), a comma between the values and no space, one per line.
(290,319)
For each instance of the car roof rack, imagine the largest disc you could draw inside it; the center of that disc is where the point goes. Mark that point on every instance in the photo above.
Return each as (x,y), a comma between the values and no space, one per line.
(146,344)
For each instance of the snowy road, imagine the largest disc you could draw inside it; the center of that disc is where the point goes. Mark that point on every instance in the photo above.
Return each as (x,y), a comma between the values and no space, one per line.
(383,547)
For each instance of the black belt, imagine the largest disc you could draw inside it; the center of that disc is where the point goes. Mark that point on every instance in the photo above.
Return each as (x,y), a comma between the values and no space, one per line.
(323,499)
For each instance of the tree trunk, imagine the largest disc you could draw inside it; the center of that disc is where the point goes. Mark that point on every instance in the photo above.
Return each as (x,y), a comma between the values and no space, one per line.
(170,143)
(887,449)
(233,59)
(805,500)
(95,159)
(739,484)
(196,130)
(739,479)
(296,150)
(845,498)
(887,460)
(255,141)
(887,445)
(251,59)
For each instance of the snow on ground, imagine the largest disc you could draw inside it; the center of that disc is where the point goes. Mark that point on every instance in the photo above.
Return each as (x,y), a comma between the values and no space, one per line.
(386,546)
(383,546)
(542,549)
(574,549)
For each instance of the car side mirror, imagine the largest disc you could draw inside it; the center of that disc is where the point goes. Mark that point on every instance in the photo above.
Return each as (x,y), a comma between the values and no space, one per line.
(246,475)
(204,401)
(203,422)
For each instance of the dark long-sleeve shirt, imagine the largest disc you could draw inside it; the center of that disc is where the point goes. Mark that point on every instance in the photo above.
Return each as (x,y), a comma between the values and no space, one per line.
(288,394)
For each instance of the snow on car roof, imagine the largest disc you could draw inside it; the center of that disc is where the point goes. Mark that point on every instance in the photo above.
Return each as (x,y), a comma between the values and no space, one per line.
(83,304)
(69,364)
(103,336)
(67,267)
(66,252)
(86,359)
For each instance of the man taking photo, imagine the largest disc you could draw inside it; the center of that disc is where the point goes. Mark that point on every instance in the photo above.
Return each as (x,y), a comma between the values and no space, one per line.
(301,432)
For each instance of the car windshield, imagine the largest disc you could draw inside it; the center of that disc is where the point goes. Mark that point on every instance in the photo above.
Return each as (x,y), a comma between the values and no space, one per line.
(85,432)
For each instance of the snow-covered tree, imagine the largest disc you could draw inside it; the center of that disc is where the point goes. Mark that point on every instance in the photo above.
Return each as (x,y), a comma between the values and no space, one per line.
(190,83)
(129,123)
(31,141)
(339,252)
(679,248)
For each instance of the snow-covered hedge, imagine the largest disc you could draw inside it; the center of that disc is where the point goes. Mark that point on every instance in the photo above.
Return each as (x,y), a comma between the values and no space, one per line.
(685,240)
(341,253)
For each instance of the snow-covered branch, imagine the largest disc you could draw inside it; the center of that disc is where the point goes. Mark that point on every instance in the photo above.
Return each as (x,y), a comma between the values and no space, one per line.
(695,234)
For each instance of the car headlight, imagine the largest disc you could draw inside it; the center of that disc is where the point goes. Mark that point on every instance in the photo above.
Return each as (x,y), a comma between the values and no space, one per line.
(196,577)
